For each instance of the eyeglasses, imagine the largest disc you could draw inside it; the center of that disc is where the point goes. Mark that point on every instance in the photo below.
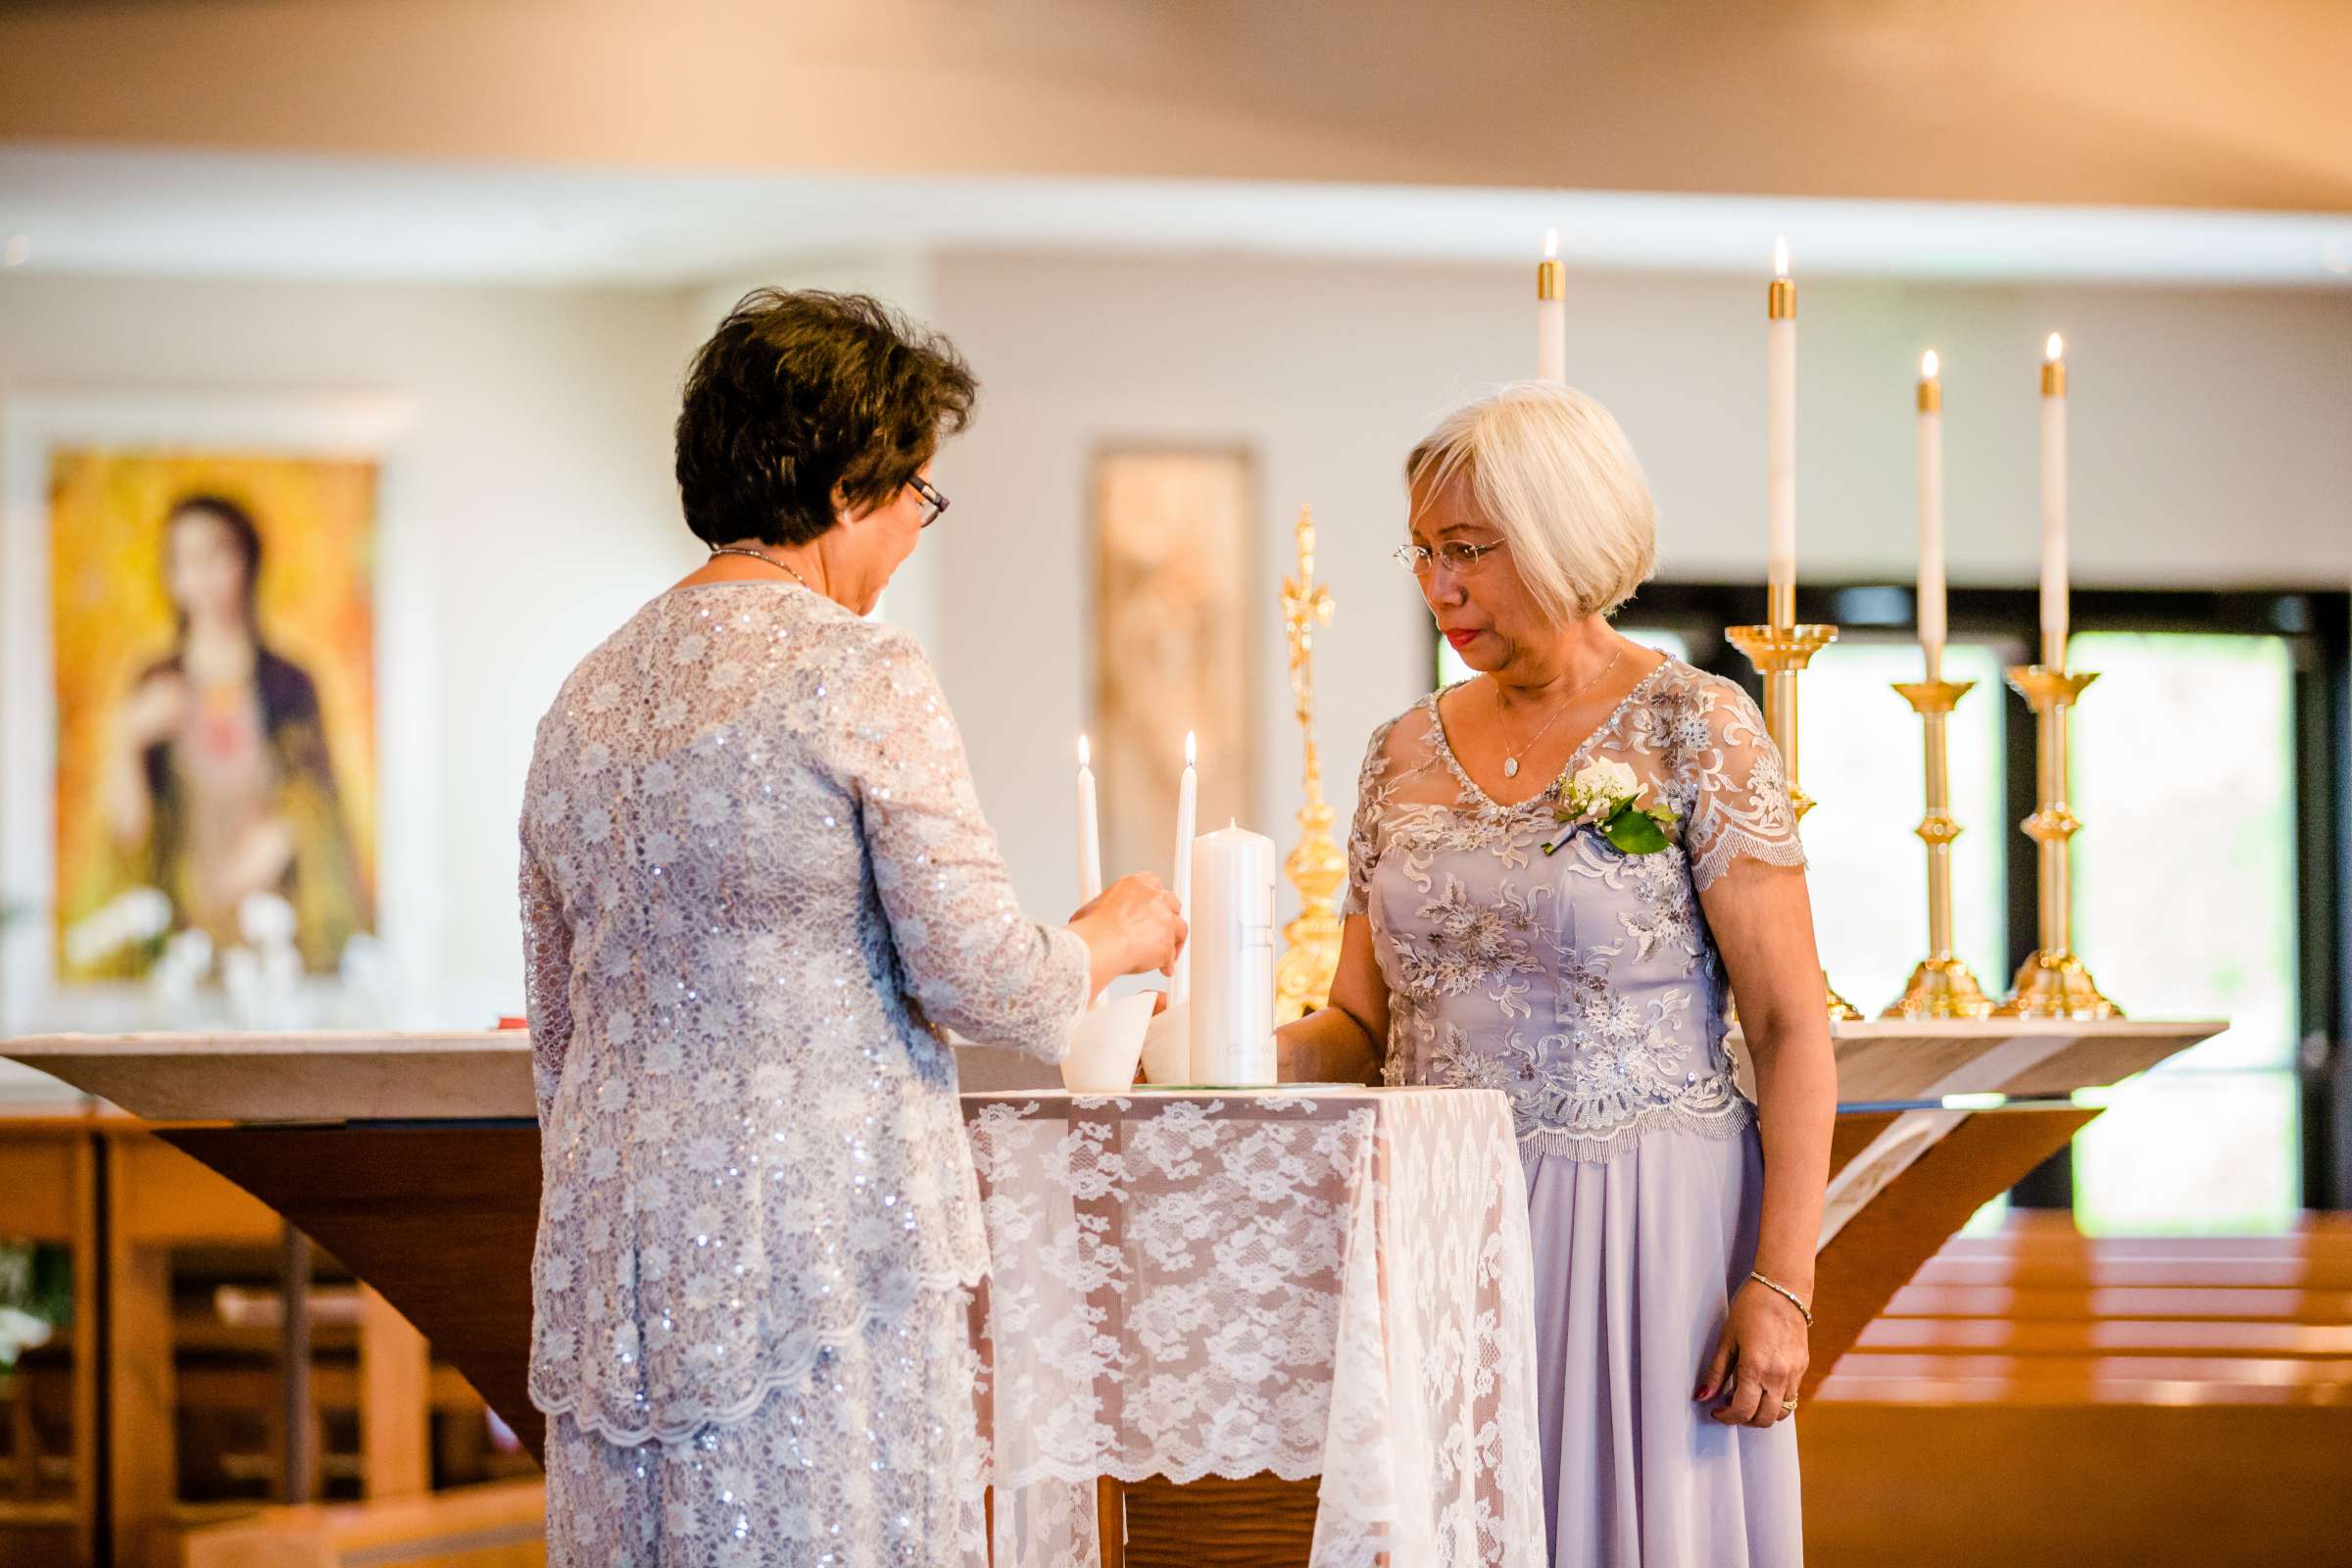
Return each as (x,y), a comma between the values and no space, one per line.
(1459,556)
(935,504)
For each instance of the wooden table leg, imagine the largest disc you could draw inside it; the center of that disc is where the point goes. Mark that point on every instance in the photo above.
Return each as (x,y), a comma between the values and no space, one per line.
(1110,1518)
(89,1246)
(142,1458)
(395,1408)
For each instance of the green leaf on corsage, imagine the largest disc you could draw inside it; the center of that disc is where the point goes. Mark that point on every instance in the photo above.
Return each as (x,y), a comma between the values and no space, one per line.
(1634,831)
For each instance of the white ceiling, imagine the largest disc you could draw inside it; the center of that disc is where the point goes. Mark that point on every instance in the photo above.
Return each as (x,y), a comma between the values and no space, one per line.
(115,213)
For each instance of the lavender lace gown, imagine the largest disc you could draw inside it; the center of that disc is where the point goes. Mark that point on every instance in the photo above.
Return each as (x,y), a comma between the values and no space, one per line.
(1585,985)
(753,876)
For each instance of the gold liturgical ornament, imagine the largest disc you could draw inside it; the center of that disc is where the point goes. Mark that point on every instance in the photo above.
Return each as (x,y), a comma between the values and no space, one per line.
(1316,868)
(2053,983)
(1942,986)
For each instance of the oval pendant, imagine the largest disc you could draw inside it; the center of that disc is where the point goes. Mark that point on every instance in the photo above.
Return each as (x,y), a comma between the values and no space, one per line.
(1510,767)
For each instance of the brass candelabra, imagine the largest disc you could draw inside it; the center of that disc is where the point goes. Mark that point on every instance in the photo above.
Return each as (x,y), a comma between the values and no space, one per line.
(1316,867)
(1779,650)
(2053,982)
(1942,986)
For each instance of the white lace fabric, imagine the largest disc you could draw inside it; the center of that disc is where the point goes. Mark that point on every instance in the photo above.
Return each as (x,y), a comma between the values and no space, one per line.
(1584,983)
(755,881)
(1189,1285)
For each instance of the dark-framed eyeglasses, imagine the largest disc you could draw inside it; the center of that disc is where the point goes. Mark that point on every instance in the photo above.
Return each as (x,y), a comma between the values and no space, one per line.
(1457,555)
(935,504)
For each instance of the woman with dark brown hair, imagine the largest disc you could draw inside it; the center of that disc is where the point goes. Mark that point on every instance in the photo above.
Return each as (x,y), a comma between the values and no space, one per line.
(757,887)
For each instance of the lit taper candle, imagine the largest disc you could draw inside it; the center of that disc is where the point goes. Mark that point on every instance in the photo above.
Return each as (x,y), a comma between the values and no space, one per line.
(2053,503)
(1930,515)
(1779,442)
(1090,830)
(1188,812)
(1551,314)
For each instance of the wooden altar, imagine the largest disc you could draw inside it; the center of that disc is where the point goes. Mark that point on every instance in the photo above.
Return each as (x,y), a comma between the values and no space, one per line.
(415,1159)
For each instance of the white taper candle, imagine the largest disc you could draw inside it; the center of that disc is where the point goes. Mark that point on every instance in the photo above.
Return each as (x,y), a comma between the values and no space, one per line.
(1930,515)
(1090,830)
(1551,314)
(1187,810)
(2054,587)
(1780,440)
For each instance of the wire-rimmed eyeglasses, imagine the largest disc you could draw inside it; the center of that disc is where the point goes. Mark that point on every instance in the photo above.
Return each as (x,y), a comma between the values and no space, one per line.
(1457,555)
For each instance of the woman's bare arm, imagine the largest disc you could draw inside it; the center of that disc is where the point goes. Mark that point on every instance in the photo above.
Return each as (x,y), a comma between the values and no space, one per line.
(1344,1040)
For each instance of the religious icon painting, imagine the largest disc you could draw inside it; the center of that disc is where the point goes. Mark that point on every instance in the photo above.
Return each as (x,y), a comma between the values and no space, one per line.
(193,647)
(1174,642)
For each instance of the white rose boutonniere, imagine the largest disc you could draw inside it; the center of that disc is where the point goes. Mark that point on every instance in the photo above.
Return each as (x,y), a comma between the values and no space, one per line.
(1607,795)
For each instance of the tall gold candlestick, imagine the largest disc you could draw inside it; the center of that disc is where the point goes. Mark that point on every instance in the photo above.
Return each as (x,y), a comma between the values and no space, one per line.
(1316,868)
(2053,983)
(1780,652)
(1942,986)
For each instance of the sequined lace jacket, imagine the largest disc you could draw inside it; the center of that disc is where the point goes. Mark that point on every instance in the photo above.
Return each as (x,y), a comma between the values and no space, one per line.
(755,877)
(1584,984)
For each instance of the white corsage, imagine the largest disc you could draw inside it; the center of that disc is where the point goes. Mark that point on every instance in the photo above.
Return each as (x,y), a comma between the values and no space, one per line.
(1607,795)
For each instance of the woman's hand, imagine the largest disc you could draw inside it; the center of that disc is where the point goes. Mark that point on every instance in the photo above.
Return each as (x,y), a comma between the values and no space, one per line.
(152,711)
(1759,1360)
(1134,928)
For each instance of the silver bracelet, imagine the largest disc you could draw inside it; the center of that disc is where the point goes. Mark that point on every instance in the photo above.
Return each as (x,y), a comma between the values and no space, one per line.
(1794,1300)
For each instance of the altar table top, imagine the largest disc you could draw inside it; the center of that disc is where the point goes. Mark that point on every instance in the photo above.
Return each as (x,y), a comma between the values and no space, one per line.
(1331,1282)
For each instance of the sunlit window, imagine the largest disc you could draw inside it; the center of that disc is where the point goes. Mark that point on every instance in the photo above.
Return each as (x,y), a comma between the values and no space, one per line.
(2185,907)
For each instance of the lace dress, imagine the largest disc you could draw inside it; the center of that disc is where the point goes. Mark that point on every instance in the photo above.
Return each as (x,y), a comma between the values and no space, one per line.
(1585,985)
(755,878)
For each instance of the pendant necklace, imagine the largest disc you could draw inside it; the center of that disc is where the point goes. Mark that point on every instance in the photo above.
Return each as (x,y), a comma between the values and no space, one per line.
(1511,754)
(760,554)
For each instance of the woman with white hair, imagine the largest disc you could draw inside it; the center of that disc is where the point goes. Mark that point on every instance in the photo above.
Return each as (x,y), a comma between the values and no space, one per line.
(1556,868)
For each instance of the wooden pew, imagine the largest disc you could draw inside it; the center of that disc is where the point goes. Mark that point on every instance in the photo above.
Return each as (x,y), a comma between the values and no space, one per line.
(2043,1395)
(496,1526)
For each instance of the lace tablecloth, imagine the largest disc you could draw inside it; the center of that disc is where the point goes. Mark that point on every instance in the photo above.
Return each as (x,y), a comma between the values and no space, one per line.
(1333,1283)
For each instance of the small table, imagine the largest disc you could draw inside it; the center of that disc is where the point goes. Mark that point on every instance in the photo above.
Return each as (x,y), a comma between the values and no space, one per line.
(1331,1282)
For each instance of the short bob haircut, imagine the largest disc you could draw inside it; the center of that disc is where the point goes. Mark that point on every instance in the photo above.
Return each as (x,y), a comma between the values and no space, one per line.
(1552,469)
(805,402)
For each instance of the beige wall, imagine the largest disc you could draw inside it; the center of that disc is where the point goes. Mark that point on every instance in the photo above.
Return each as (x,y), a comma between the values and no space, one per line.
(2197,104)
(530,509)
(2207,447)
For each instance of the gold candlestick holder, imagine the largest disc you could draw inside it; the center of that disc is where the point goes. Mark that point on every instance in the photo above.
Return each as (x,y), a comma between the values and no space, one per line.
(1780,651)
(1316,868)
(2053,983)
(1942,986)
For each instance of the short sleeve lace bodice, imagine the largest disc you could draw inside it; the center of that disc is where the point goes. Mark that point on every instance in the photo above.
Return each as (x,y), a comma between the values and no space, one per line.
(756,886)
(1584,983)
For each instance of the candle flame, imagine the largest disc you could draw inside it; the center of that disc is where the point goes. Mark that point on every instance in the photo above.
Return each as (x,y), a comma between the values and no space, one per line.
(1928,366)
(1084,758)
(1780,257)
(1551,244)
(1192,750)
(2055,349)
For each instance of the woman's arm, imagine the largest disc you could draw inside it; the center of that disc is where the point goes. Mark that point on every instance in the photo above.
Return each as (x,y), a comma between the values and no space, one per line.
(1750,874)
(546,976)
(1344,1040)
(148,714)
(973,962)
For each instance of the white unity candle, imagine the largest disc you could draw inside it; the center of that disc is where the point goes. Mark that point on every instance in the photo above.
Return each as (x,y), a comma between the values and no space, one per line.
(1780,441)
(1930,515)
(1090,830)
(2053,502)
(1233,937)
(1551,314)
(1188,810)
